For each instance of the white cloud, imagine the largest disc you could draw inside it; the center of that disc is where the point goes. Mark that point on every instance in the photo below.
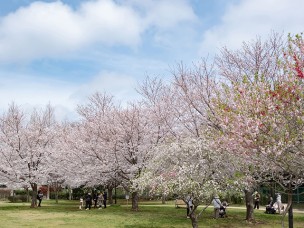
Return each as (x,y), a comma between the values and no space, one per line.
(165,14)
(30,92)
(109,23)
(42,30)
(248,19)
(54,29)
(50,29)
(33,91)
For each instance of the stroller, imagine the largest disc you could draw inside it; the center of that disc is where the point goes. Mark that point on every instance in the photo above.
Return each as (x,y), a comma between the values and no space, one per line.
(271,208)
(223,207)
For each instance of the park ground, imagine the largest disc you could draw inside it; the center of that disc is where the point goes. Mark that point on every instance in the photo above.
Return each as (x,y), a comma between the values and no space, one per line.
(150,214)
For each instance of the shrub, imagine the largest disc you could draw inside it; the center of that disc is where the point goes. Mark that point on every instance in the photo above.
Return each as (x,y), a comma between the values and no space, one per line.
(17,198)
(78,192)
(4,193)
(20,192)
(61,195)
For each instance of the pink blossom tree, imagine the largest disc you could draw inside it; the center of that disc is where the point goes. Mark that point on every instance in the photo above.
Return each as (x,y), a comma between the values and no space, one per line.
(262,116)
(245,72)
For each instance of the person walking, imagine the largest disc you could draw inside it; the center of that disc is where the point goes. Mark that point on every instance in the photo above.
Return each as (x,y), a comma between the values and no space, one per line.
(39,197)
(217,205)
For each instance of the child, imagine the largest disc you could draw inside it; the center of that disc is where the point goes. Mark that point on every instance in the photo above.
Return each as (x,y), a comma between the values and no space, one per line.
(80,203)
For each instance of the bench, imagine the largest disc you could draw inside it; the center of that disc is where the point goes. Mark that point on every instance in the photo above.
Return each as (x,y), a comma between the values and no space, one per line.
(180,203)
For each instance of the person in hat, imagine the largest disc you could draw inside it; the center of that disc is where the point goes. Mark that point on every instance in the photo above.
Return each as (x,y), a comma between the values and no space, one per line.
(217,205)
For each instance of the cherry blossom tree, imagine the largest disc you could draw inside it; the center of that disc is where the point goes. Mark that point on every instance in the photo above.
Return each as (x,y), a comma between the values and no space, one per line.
(188,167)
(262,117)
(136,138)
(111,144)
(246,72)
(186,161)
(87,143)
(26,143)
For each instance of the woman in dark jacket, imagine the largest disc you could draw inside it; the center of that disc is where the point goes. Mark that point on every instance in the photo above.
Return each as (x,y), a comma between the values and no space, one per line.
(88,201)
(105,197)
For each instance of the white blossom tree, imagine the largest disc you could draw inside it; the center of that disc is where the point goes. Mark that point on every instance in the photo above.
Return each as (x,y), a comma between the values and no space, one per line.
(26,145)
(186,161)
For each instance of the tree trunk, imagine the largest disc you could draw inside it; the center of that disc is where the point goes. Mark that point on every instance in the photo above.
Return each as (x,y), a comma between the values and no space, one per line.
(34,195)
(163,199)
(110,194)
(249,205)
(289,210)
(48,192)
(290,217)
(193,218)
(27,195)
(56,191)
(289,207)
(135,201)
(13,194)
(70,193)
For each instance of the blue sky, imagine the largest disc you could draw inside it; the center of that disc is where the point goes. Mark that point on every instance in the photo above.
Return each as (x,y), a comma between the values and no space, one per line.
(63,51)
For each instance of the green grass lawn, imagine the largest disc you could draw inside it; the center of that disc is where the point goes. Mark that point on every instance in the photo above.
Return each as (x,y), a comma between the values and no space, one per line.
(151,214)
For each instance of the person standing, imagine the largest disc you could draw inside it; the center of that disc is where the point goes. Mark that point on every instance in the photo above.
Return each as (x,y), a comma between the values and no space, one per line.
(100,200)
(80,203)
(105,197)
(39,197)
(88,201)
(256,200)
(279,202)
(189,202)
(217,205)
(95,198)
